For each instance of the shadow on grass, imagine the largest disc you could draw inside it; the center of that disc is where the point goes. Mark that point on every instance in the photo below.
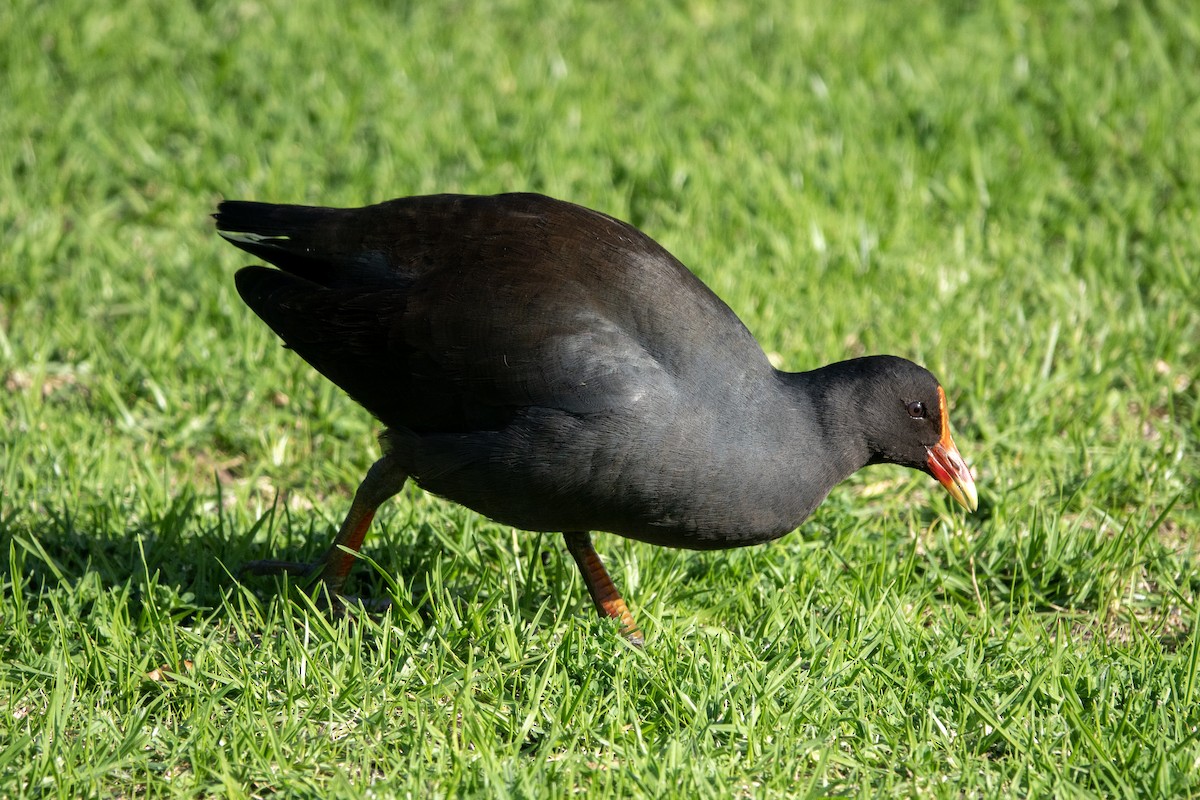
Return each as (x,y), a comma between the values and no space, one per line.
(187,558)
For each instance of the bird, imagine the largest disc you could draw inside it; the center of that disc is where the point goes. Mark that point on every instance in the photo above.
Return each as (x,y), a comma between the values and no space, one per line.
(557,370)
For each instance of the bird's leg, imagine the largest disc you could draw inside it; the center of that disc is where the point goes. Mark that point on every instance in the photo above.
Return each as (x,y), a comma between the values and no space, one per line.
(600,586)
(384,480)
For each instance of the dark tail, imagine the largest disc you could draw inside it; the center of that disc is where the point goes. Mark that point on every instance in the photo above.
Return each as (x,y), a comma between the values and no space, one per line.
(297,239)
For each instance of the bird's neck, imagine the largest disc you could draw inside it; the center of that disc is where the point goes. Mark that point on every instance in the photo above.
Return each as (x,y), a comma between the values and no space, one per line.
(829,425)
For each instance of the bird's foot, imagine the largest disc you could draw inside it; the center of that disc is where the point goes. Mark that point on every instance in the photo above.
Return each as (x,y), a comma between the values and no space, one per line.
(608,600)
(272,567)
(325,595)
(344,605)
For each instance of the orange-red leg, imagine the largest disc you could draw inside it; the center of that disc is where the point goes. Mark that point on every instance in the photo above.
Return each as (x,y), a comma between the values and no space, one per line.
(600,586)
(383,480)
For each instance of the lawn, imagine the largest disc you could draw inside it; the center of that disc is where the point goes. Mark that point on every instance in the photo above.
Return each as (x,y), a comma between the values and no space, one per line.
(1009,195)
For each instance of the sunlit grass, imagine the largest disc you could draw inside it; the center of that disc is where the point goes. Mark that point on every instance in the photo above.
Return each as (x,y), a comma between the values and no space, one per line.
(1007,196)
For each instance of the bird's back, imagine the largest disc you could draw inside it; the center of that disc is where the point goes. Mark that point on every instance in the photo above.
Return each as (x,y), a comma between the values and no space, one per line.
(448,312)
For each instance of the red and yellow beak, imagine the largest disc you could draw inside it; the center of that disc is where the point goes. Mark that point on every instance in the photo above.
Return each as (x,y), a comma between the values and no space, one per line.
(948,466)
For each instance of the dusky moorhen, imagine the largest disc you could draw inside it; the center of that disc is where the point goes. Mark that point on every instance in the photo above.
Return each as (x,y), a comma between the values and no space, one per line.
(556,369)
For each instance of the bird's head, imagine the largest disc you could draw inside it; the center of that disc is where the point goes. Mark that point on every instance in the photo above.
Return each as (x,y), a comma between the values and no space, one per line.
(907,422)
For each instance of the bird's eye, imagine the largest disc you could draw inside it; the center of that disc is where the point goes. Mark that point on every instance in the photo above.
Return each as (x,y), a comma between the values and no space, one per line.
(916,409)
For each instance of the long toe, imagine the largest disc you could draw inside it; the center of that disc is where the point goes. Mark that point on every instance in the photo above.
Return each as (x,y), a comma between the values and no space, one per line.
(346,605)
(273,567)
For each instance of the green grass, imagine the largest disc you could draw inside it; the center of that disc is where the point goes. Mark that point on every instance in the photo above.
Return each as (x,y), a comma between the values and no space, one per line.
(1009,195)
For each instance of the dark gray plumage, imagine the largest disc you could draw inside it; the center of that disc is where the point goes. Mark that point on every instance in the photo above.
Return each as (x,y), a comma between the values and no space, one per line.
(556,369)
